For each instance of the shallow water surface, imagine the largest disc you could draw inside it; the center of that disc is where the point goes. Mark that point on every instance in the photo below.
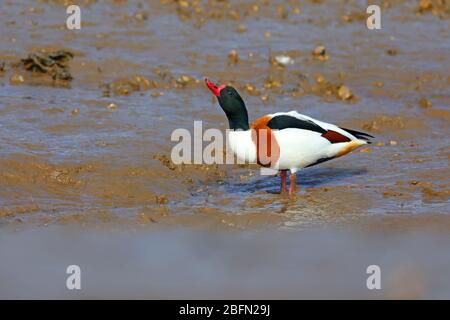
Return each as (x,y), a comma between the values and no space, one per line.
(64,152)
(95,151)
(200,265)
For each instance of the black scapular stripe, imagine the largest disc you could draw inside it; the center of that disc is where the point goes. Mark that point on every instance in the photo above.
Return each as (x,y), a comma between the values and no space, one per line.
(284,122)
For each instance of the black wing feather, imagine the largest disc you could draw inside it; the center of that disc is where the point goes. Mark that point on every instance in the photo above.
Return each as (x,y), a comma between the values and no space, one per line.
(284,122)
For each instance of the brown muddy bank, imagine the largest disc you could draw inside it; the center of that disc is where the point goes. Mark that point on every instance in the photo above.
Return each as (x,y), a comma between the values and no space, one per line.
(94,148)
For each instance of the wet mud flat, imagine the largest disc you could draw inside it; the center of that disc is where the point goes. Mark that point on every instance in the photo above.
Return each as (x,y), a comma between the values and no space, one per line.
(86,116)
(85,123)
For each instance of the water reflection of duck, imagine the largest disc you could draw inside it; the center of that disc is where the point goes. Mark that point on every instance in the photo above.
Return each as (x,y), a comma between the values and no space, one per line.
(283,140)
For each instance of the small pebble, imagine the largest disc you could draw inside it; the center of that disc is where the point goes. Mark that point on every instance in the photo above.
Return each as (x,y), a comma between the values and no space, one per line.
(425,4)
(366,150)
(183,3)
(282,12)
(162,199)
(241,28)
(16,79)
(320,79)
(183,80)
(320,53)
(391,52)
(378,84)
(141,16)
(157,94)
(284,60)
(233,57)
(344,93)
(425,103)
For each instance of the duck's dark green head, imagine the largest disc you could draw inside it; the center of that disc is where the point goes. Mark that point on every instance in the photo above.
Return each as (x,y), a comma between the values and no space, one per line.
(232,104)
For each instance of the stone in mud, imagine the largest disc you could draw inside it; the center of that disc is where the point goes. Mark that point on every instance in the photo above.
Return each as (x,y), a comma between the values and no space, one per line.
(344,93)
(16,79)
(366,150)
(393,142)
(252,90)
(141,16)
(162,199)
(425,5)
(183,81)
(126,86)
(439,8)
(320,53)
(233,57)
(378,84)
(329,90)
(391,52)
(282,12)
(241,28)
(271,83)
(157,94)
(425,103)
(283,60)
(354,16)
(383,121)
(320,79)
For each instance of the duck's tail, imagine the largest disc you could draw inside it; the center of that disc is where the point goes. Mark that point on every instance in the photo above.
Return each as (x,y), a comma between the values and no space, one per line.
(360,135)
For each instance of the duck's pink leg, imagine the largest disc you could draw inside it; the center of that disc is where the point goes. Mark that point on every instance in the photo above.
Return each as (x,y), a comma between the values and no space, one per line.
(292,183)
(283,181)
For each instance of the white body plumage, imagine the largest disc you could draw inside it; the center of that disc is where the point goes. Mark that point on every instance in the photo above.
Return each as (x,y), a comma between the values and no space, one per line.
(298,148)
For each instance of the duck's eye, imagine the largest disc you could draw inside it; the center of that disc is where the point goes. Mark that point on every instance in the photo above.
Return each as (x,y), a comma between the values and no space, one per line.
(229,93)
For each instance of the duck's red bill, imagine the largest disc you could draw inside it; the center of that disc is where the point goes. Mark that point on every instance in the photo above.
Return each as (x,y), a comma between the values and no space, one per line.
(214,89)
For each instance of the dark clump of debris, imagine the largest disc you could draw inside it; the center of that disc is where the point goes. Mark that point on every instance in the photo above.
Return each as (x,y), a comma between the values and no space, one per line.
(53,63)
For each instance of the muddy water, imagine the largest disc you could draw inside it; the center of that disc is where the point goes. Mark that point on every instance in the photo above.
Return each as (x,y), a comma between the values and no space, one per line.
(96,150)
(100,145)
(186,264)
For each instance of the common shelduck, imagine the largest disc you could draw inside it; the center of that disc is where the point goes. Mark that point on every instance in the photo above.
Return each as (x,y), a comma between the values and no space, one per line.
(283,140)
